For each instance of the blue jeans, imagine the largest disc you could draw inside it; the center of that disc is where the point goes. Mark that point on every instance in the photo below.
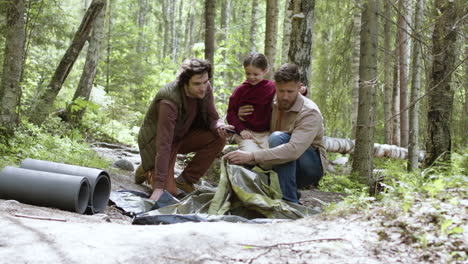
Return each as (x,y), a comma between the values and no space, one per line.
(303,172)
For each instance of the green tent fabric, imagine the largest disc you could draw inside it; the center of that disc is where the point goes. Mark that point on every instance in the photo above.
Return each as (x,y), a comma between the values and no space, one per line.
(242,192)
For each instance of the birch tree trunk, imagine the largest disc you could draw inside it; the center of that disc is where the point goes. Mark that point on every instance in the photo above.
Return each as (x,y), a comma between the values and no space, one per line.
(271,33)
(387,74)
(44,103)
(355,64)
(253,26)
(141,23)
(12,66)
(413,143)
(89,71)
(440,99)
(167,27)
(301,37)
(396,96)
(288,13)
(404,17)
(173,30)
(189,29)
(363,154)
(109,46)
(210,30)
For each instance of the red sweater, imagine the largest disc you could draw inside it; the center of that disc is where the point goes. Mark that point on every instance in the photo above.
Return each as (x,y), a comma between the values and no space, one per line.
(260,97)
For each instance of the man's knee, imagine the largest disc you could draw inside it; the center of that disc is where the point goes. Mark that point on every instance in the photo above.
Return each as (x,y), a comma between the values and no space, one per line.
(278,138)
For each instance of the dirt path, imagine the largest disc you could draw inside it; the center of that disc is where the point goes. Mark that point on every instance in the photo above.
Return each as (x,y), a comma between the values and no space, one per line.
(110,238)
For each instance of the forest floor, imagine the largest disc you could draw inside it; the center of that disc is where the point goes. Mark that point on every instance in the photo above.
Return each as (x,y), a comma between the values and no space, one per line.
(65,237)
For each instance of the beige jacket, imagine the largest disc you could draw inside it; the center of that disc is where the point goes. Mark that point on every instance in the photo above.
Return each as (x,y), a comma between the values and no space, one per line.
(304,122)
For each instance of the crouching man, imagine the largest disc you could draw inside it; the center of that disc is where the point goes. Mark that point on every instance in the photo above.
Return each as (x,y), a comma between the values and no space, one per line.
(295,144)
(181,118)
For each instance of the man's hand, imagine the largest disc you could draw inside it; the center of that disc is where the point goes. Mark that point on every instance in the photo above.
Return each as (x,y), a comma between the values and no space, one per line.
(239,157)
(245,134)
(303,89)
(156,194)
(244,110)
(222,132)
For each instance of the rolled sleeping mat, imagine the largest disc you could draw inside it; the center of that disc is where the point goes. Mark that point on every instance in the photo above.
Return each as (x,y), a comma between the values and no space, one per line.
(99,180)
(45,189)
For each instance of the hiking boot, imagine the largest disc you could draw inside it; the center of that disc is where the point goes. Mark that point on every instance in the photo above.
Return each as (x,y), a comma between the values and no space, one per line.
(184,185)
(140,175)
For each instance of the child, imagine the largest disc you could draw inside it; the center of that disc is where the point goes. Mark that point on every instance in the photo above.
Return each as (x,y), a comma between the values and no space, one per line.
(258,92)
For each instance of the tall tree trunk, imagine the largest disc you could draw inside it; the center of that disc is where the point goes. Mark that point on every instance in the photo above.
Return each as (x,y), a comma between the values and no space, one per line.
(271,33)
(167,27)
(12,66)
(363,154)
(223,37)
(396,96)
(301,37)
(189,29)
(89,71)
(287,24)
(109,46)
(355,64)
(180,28)
(404,11)
(173,30)
(464,124)
(210,30)
(440,99)
(413,143)
(42,106)
(141,23)
(253,26)
(387,74)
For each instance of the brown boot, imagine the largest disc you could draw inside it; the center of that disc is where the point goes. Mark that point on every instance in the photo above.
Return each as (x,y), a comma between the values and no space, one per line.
(141,176)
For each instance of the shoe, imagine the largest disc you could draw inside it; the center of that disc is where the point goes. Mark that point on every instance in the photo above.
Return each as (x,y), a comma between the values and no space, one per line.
(184,185)
(140,175)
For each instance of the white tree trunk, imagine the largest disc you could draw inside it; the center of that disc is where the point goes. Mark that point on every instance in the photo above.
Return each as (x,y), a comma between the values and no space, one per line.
(413,142)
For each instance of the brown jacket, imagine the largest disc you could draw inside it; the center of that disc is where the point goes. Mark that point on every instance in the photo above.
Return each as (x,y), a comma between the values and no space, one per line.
(304,122)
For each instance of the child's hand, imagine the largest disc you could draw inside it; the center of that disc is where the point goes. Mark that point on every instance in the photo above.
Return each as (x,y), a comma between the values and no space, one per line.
(245,134)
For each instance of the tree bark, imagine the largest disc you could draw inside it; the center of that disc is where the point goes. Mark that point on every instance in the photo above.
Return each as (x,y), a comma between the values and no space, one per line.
(271,33)
(301,37)
(167,27)
(12,66)
(363,156)
(288,13)
(387,74)
(189,29)
(109,46)
(173,31)
(210,30)
(89,71)
(141,23)
(404,11)
(440,99)
(413,143)
(253,26)
(396,96)
(42,106)
(355,64)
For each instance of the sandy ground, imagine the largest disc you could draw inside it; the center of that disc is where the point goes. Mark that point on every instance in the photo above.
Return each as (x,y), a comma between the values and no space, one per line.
(65,237)
(71,238)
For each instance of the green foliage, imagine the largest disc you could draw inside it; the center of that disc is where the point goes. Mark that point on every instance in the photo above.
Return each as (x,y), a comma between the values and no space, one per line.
(425,209)
(62,146)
